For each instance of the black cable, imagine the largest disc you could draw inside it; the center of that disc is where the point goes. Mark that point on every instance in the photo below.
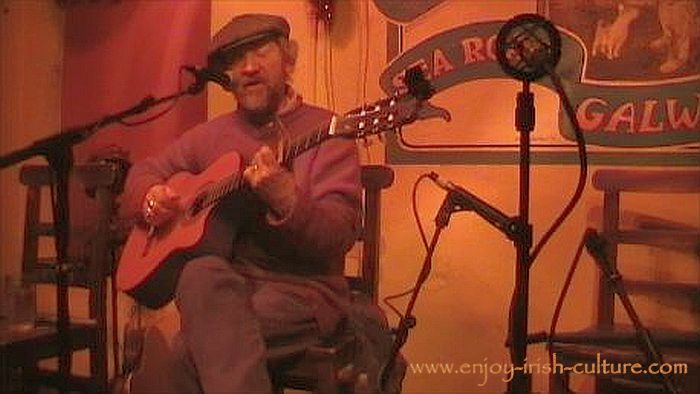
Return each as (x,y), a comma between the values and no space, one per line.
(115,314)
(331,88)
(421,231)
(414,208)
(326,65)
(562,295)
(395,296)
(583,168)
(365,72)
(162,113)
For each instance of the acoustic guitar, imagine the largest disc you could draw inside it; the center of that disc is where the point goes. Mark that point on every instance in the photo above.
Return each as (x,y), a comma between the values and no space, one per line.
(152,258)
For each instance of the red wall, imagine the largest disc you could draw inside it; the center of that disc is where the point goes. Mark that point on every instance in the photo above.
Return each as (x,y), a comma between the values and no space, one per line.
(116,53)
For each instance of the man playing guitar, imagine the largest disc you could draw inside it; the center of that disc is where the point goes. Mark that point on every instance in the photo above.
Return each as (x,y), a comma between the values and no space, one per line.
(279,267)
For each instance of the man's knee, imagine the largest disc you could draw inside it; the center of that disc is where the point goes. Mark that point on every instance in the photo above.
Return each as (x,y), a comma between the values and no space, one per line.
(204,275)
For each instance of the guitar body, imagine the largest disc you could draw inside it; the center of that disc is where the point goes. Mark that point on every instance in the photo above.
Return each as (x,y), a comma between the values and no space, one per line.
(150,264)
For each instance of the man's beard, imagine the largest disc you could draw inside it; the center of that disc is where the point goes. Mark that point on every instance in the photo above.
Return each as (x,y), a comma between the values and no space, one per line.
(263,114)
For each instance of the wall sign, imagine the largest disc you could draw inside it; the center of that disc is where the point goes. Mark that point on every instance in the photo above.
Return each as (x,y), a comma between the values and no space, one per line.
(632,73)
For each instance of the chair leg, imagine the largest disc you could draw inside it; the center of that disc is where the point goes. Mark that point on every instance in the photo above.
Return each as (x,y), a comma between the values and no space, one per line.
(278,389)
(29,375)
(603,384)
(559,383)
(98,367)
(327,384)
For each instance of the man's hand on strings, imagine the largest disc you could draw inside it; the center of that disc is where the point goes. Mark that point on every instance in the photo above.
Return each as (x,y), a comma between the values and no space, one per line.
(272,182)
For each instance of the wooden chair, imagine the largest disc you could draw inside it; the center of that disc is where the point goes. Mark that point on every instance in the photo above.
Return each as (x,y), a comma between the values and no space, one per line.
(609,339)
(328,367)
(323,367)
(22,349)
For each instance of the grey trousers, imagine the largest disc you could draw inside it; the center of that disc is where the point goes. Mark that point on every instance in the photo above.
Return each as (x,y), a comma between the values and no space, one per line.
(227,323)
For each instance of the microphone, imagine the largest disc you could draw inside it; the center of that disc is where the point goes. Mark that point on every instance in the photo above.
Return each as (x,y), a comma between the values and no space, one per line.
(468,201)
(448,186)
(528,46)
(206,74)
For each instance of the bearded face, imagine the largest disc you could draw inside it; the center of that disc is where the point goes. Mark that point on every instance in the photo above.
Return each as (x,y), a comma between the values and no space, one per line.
(258,78)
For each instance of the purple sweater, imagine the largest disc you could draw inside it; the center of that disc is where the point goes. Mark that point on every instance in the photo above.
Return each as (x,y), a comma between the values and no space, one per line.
(313,240)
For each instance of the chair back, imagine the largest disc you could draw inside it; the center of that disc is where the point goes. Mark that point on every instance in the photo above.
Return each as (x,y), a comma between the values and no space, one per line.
(90,243)
(375,178)
(90,259)
(647,229)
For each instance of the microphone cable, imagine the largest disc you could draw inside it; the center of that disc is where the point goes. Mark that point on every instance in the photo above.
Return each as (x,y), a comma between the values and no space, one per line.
(414,207)
(583,167)
(562,296)
(163,112)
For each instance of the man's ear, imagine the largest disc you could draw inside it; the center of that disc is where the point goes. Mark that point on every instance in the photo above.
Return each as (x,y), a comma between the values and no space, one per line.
(291,53)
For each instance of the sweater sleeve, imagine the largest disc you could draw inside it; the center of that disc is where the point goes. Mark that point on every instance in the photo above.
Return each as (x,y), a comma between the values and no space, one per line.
(177,157)
(325,221)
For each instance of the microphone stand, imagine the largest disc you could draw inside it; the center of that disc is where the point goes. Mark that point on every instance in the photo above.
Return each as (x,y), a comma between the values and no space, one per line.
(597,247)
(450,204)
(457,199)
(518,230)
(58,152)
(529,47)
(522,238)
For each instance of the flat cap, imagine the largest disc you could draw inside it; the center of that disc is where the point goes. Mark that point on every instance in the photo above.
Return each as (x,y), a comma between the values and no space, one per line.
(247,28)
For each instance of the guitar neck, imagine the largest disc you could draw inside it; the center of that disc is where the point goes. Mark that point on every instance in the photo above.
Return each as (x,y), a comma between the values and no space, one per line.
(301,144)
(294,148)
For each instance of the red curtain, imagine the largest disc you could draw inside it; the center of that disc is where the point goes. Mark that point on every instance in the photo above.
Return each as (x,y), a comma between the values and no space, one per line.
(118,52)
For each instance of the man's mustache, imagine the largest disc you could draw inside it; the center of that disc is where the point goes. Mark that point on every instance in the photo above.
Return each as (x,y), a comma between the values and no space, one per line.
(246,82)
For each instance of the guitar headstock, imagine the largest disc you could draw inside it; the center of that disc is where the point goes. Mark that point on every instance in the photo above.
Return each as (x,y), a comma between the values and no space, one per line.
(383,115)
(393,112)
(373,119)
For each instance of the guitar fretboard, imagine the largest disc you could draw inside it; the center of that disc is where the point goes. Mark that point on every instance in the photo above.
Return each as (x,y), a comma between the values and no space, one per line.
(301,144)
(216,192)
